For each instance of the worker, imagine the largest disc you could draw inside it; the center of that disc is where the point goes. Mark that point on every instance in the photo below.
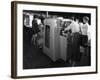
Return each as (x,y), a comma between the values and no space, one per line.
(74,44)
(35,28)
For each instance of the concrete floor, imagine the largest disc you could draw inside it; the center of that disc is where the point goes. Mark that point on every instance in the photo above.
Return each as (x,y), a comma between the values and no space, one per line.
(33,57)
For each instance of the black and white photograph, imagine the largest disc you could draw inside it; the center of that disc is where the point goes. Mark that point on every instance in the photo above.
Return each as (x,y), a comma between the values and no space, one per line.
(53,39)
(56,39)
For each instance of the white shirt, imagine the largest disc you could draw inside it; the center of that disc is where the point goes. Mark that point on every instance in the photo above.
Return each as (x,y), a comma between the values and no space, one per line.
(86,30)
(74,26)
(89,32)
(38,21)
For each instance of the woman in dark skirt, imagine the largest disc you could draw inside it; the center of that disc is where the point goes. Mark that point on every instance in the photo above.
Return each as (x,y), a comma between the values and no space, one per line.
(73,49)
(76,47)
(84,32)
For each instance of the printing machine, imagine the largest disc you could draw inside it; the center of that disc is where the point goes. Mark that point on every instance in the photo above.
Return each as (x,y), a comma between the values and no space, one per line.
(55,44)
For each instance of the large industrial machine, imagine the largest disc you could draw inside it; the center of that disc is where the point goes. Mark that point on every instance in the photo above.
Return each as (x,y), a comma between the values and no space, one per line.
(55,44)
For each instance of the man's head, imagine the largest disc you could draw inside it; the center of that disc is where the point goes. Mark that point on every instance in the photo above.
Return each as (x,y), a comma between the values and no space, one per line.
(85,19)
